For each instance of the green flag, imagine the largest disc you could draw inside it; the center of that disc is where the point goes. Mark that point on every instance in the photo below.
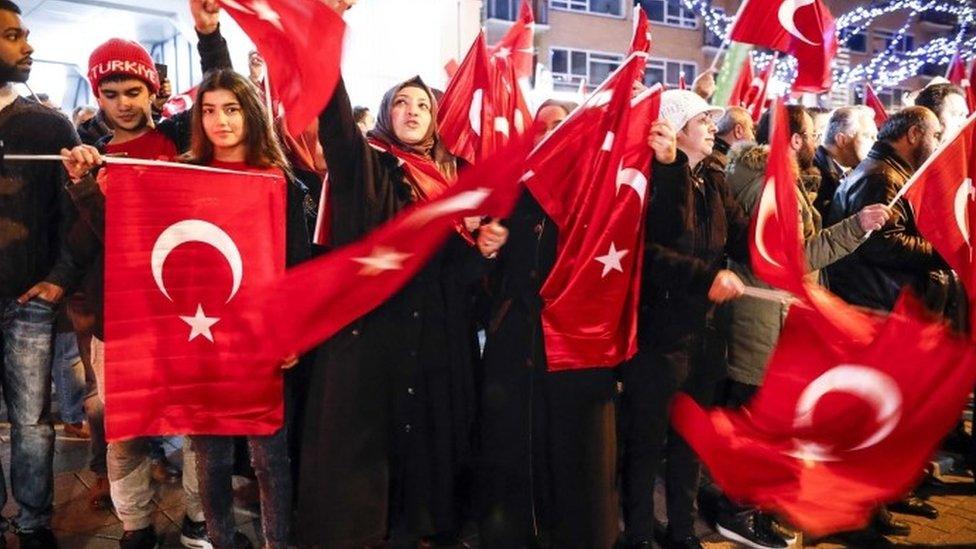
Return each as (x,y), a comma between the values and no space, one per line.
(729,73)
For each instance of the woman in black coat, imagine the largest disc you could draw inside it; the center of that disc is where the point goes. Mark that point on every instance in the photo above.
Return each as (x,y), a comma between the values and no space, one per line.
(387,427)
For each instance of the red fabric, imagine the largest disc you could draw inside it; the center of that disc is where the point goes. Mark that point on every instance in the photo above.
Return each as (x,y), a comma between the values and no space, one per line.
(466,114)
(776,242)
(942,196)
(971,86)
(812,40)
(451,68)
(152,145)
(757,101)
(681,82)
(871,100)
(743,85)
(957,70)
(301,43)
(827,463)
(159,380)
(316,299)
(597,200)
(641,42)
(516,46)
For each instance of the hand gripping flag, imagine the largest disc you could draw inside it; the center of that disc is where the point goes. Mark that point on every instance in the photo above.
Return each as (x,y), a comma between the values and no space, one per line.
(803,28)
(597,201)
(301,41)
(838,428)
(183,245)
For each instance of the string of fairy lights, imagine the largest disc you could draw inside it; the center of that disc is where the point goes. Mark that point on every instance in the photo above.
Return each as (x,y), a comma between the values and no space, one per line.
(899,60)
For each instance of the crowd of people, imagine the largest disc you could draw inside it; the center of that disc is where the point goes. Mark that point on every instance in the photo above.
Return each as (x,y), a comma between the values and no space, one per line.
(403,429)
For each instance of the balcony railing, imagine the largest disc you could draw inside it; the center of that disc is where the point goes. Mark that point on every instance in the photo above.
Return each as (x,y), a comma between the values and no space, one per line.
(508,10)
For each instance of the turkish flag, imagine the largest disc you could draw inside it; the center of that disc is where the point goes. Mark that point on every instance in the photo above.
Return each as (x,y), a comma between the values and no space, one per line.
(803,28)
(838,427)
(758,92)
(179,103)
(776,242)
(301,41)
(957,70)
(316,299)
(466,117)
(970,85)
(516,47)
(641,42)
(182,245)
(941,193)
(743,85)
(871,100)
(597,200)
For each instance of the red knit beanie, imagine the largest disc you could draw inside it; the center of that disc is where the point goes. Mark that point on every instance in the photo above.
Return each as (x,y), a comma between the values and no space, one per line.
(118,56)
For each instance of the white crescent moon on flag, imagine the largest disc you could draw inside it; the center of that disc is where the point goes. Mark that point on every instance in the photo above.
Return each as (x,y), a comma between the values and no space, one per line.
(869,384)
(195,230)
(767,202)
(633,178)
(787,11)
(963,196)
(474,111)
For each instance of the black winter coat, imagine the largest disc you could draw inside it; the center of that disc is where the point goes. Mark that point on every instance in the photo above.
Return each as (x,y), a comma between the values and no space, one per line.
(693,224)
(893,257)
(388,418)
(830,176)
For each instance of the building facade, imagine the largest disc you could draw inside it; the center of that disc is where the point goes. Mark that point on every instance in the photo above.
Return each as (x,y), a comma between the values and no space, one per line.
(584,40)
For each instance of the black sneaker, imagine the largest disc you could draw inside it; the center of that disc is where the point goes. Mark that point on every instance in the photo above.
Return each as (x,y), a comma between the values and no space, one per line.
(690,542)
(144,538)
(750,528)
(41,538)
(194,534)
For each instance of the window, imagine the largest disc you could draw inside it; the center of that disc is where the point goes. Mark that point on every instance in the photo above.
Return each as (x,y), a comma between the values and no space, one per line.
(856,42)
(570,67)
(670,13)
(669,72)
(884,39)
(603,7)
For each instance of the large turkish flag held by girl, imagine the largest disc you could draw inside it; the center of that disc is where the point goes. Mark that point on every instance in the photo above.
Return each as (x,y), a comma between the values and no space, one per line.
(182,244)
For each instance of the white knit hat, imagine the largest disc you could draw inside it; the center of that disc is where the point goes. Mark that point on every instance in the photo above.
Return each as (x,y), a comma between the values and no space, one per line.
(680,106)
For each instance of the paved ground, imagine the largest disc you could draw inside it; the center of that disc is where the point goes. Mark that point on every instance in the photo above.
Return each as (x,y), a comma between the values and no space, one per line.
(76,526)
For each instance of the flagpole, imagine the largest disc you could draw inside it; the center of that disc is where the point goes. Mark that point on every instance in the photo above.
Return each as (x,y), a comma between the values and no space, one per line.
(129,162)
(728,35)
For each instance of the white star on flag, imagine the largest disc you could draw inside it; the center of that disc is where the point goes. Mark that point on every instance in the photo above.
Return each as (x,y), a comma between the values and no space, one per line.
(382,259)
(503,53)
(611,261)
(200,324)
(266,13)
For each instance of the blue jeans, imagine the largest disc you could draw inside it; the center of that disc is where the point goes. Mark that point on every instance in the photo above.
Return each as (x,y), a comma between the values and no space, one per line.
(26,334)
(215,466)
(69,378)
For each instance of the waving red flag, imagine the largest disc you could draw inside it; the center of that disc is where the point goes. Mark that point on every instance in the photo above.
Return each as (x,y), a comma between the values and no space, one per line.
(743,84)
(942,194)
(597,200)
(641,42)
(466,118)
(182,245)
(776,245)
(803,28)
(301,41)
(970,86)
(871,100)
(838,428)
(516,47)
(759,91)
(957,70)
(316,299)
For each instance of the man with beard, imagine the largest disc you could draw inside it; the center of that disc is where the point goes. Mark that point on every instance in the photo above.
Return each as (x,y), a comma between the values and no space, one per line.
(754,324)
(850,133)
(35,270)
